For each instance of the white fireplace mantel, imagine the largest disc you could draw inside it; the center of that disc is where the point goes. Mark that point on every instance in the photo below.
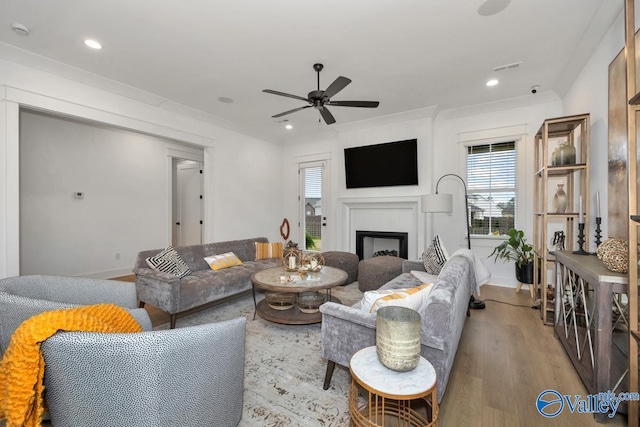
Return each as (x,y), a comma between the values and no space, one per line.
(396,214)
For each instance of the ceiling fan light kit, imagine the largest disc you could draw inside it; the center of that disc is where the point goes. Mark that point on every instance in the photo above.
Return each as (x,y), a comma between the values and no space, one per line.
(320,99)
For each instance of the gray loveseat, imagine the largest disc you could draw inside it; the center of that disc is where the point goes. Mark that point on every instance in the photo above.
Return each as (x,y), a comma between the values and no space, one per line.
(174,295)
(345,330)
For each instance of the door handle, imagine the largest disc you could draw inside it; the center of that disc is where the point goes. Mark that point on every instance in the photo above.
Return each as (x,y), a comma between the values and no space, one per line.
(324,224)
(177,223)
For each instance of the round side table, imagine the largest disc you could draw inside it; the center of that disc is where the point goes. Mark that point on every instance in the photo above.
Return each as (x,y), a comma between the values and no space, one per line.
(389,393)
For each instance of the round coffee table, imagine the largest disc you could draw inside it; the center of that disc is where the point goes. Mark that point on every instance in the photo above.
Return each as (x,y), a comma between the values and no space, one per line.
(270,280)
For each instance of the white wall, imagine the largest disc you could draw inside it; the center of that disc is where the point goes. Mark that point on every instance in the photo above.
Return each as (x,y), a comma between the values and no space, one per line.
(242,174)
(247,191)
(400,127)
(124,177)
(491,121)
(589,94)
(440,152)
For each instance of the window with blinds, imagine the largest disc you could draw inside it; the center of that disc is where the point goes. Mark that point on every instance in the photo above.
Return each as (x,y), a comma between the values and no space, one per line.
(491,186)
(312,205)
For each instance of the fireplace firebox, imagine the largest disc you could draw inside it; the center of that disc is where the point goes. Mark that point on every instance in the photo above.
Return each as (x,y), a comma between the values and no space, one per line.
(369,243)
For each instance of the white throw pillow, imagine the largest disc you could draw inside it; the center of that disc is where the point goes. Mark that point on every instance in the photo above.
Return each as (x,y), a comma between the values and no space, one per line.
(220,262)
(412,298)
(424,277)
(435,257)
(169,261)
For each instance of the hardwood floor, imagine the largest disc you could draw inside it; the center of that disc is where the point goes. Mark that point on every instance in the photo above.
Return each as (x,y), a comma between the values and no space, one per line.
(506,357)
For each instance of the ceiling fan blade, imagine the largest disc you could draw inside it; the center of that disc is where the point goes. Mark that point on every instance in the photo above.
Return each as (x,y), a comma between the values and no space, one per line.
(290,111)
(327,116)
(275,92)
(337,85)
(363,104)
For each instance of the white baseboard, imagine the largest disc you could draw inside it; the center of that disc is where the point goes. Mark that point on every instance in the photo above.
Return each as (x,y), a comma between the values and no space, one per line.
(505,282)
(108,274)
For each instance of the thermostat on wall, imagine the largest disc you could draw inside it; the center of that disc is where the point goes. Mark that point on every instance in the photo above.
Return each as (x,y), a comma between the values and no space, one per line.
(78,195)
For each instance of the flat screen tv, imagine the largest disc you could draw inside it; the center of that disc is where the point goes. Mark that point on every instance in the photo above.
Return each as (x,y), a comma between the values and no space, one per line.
(382,165)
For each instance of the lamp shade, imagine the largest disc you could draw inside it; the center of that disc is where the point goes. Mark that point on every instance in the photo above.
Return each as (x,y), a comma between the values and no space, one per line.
(437,203)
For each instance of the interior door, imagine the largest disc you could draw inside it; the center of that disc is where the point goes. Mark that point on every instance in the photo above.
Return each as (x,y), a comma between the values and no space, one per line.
(314,206)
(189,215)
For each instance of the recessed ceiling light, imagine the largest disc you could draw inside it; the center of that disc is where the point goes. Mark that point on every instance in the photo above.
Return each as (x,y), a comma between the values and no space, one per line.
(20,29)
(225,100)
(491,7)
(93,44)
(492,82)
(288,126)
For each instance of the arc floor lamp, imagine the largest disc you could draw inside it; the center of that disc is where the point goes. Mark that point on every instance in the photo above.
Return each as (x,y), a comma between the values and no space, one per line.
(443,203)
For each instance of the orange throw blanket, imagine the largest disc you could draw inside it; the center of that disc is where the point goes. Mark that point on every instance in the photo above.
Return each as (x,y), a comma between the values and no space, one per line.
(22,366)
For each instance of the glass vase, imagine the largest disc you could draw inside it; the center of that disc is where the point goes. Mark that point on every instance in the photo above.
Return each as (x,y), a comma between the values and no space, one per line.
(567,154)
(560,200)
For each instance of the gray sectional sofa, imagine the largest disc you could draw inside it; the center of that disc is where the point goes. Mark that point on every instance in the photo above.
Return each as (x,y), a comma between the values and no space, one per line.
(345,330)
(174,295)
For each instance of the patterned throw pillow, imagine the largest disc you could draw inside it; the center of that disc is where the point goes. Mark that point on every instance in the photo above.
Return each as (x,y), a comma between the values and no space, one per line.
(218,262)
(268,250)
(435,257)
(169,261)
(412,298)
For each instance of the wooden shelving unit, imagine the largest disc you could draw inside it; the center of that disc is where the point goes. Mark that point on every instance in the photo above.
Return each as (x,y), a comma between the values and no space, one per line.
(632,171)
(573,131)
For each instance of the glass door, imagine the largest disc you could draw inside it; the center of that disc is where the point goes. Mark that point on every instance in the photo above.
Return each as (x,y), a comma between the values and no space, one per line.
(313,205)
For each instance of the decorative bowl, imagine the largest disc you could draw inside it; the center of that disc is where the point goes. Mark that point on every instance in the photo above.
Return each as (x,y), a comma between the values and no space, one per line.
(310,302)
(303,272)
(280,300)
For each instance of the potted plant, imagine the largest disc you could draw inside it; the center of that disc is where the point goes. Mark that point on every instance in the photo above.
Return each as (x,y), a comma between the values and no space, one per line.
(517,249)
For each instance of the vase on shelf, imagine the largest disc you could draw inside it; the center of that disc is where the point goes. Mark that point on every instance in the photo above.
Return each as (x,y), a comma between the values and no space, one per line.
(560,200)
(566,154)
(554,156)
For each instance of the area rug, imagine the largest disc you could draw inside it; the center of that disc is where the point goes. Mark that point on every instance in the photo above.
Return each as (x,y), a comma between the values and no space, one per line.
(284,370)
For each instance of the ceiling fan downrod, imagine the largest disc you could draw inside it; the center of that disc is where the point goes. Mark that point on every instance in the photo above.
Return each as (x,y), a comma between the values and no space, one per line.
(318,68)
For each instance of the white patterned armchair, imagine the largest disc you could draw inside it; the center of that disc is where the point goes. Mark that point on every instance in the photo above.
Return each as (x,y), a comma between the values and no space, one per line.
(192,376)
(22,297)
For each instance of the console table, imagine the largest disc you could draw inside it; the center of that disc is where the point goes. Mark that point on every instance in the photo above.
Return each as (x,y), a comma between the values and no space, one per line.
(589,310)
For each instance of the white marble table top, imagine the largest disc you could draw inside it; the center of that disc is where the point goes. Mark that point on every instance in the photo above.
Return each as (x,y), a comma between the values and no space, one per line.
(366,366)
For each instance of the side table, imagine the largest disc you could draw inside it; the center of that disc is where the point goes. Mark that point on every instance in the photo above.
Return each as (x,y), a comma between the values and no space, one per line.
(389,393)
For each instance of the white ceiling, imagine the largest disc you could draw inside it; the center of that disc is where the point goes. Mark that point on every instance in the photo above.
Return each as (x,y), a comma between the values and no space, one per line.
(407,54)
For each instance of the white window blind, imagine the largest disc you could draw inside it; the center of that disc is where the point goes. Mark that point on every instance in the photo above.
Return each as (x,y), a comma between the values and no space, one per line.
(491,184)
(312,175)
(313,182)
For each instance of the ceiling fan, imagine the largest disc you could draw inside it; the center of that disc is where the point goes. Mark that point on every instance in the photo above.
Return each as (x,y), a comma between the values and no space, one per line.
(319,99)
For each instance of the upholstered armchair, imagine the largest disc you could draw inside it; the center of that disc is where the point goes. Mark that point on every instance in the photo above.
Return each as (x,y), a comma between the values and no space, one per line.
(22,297)
(192,376)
